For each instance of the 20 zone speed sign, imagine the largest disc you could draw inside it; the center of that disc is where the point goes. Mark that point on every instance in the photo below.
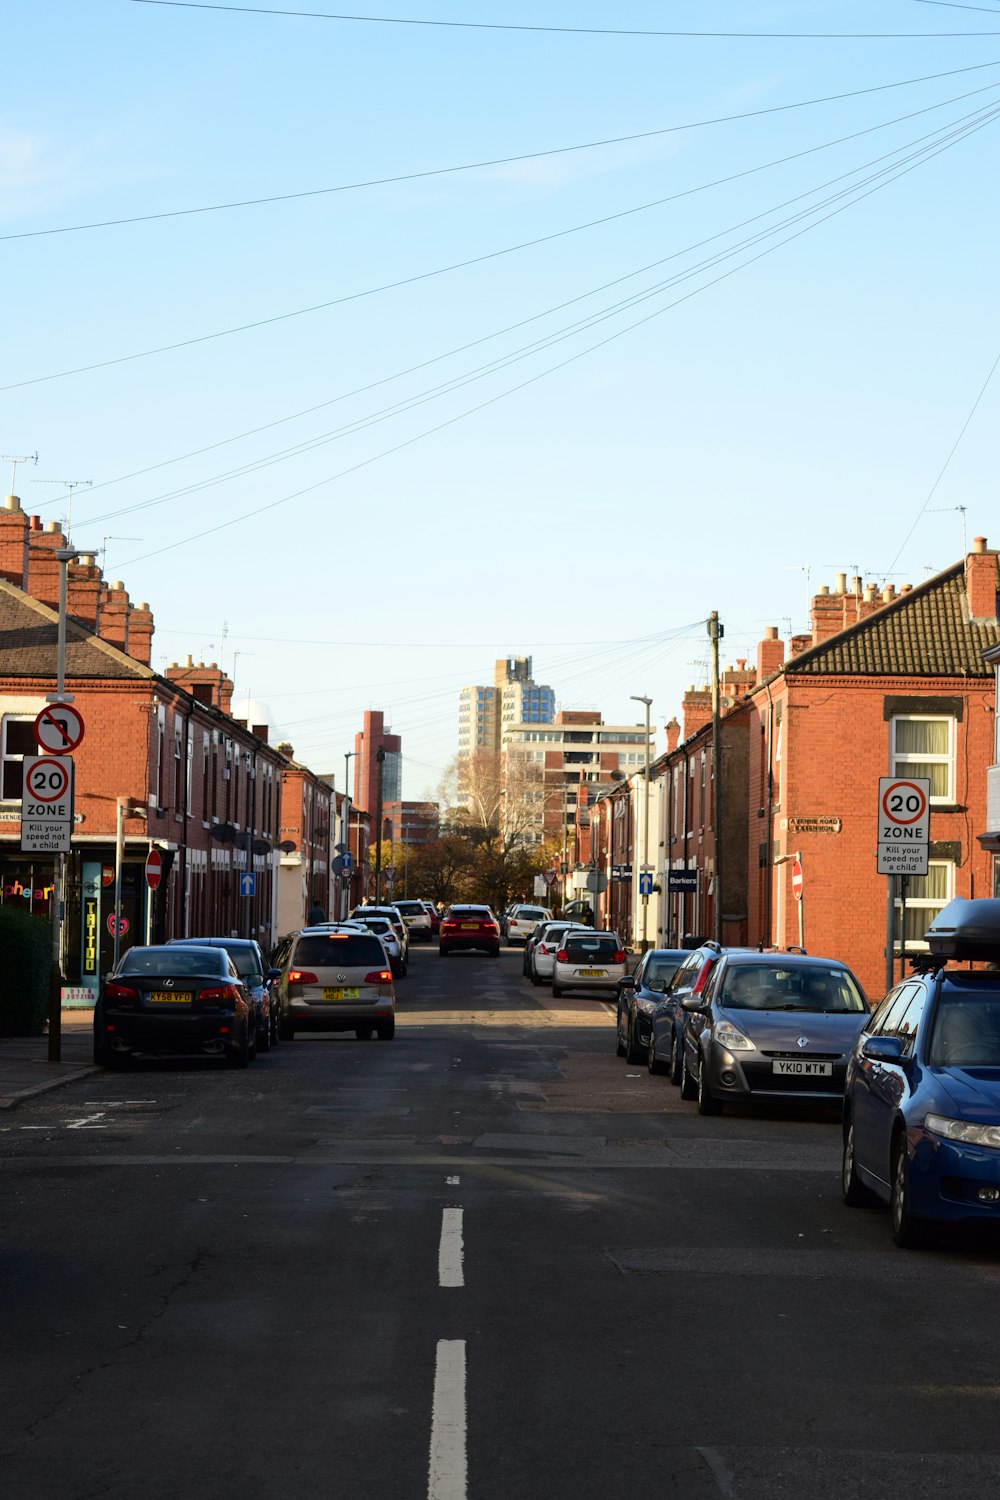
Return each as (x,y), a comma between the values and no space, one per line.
(47,804)
(903,825)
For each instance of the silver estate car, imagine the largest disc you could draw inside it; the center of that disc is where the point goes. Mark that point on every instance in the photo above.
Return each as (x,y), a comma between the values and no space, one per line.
(338,979)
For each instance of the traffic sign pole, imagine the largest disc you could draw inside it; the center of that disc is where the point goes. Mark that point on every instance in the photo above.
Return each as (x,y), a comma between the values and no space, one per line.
(798,891)
(903,845)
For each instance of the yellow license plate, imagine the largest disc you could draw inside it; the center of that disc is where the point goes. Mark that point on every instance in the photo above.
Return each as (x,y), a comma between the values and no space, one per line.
(470,926)
(169,997)
(593,973)
(341,994)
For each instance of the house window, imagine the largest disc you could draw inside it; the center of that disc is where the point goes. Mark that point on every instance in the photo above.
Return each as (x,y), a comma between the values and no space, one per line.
(925,896)
(18,741)
(925,747)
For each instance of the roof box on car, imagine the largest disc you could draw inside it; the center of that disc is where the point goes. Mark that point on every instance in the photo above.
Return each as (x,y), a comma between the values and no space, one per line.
(966,930)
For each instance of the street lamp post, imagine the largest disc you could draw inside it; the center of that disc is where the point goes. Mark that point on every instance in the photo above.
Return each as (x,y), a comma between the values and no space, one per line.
(64,556)
(379,772)
(345,834)
(638,698)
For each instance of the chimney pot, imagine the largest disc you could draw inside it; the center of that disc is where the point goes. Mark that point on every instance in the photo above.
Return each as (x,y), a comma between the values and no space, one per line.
(51,527)
(888,593)
(979,544)
(770,632)
(12,503)
(35,523)
(841,583)
(825,590)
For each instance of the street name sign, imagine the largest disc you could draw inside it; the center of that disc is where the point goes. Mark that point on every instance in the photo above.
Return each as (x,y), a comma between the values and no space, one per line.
(59,729)
(904,821)
(47,804)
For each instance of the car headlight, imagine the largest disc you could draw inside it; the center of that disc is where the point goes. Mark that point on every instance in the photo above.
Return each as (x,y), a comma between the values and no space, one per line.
(734,1041)
(964,1131)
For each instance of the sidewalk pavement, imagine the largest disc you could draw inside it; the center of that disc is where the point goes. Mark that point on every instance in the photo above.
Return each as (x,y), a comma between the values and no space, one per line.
(25,1069)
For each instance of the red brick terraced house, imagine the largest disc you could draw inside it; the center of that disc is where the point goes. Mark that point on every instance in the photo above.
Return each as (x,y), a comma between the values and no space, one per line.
(885,684)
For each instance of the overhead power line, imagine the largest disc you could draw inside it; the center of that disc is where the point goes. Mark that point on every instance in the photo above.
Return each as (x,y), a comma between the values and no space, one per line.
(637,31)
(955,127)
(561,364)
(986,10)
(495,161)
(475,260)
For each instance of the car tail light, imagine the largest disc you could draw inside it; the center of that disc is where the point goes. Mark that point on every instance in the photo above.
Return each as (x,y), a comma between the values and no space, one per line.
(542,948)
(619,957)
(301,976)
(562,957)
(702,980)
(379,976)
(220,992)
(120,992)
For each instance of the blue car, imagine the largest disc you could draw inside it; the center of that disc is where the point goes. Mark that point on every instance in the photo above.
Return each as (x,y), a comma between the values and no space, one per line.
(922,1092)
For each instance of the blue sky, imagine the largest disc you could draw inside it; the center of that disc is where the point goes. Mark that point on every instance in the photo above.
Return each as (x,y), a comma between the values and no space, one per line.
(732,452)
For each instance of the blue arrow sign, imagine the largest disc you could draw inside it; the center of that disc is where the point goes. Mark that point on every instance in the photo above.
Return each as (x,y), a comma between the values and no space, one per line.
(646,883)
(248,885)
(347,860)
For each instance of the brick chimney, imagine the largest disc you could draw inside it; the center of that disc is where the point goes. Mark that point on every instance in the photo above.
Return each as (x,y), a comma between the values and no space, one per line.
(673,731)
(83,591)
(209,684)
(834,612)
(770,654)
(13,542)
(981,581)
(798,644)
(140,634)
(43,570)
(696,710)
(735,681)
(114,613)
(259,730)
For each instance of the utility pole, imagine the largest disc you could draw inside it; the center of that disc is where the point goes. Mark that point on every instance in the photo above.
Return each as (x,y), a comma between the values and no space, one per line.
(636,698)
(716,631)
(345,833)
(380,765)
(64,556)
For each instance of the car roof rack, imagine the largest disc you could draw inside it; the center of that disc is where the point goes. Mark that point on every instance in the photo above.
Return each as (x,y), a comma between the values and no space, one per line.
(965,929)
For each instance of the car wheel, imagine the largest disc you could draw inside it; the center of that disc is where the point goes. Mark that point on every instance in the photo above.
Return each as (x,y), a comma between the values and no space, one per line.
(119,1060)
(619,1039)
(653,1063)
(633,1052)
(674,1068)
(239,1056)
(442,953)
(386,1030)
(557,990)
(286,1030)
(264,1037)
(251,1043)
(689,1089)
(707,1105)
(852,1189)
(494,953)
(102,1053)
(908,1232)
(363,1033)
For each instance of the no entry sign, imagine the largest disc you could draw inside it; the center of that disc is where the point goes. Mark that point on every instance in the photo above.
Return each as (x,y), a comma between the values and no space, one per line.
(59,728)
(796,880)
(154,868)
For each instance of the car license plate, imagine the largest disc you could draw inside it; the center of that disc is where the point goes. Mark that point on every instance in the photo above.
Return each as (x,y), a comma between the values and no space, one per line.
(351,993)
(169,997)
(593,973)
(470,926)
(801,1067)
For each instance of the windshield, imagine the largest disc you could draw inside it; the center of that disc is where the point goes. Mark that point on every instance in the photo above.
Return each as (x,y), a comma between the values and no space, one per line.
(966,1032)
(659,972)
(773,987)
(181,961)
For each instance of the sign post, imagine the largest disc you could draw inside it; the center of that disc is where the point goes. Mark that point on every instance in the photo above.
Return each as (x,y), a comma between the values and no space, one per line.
(903,842)
(46,804)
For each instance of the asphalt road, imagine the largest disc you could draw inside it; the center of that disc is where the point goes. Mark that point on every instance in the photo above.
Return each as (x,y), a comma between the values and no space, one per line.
(487,1259)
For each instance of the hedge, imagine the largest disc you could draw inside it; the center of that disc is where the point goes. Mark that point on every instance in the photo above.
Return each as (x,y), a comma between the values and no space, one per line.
(25,963)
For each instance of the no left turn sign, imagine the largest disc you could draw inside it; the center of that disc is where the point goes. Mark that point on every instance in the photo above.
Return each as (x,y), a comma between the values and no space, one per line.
(59,729)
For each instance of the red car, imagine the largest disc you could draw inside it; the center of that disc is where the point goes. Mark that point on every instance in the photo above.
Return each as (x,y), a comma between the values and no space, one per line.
(434,915)
(469,927)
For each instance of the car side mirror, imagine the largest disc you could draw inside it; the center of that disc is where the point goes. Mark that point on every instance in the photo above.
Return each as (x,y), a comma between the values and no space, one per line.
(274,973)
(627,982)
(694,1003)
(887,1049)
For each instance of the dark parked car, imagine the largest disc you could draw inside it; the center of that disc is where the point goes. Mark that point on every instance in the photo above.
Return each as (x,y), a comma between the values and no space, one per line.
(172,999)
(770,1026)
(922,1098)
(640,996)
(468,926)
(257,975)
(663,1050)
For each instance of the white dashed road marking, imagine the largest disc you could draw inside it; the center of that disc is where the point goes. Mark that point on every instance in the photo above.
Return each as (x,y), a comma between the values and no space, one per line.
(451,1251)
(447,1475)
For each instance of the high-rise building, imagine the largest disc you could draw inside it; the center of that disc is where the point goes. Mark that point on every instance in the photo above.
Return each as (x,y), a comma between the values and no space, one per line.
(366,743)
(485,713)
(575,750)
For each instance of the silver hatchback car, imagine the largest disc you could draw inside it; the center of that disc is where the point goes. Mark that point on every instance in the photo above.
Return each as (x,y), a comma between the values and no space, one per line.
(338,979)
(588,960)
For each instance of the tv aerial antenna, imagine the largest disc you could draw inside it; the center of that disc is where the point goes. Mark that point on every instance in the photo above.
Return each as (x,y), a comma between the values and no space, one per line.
(69,485)
(14,459)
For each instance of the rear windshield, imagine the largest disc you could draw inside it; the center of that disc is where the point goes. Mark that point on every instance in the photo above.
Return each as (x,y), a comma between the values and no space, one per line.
(337,950)
(966,1031)
(174,961)
(590,945)
(411,908)
(772,987)
(660,971)
(529,913)
(481,913)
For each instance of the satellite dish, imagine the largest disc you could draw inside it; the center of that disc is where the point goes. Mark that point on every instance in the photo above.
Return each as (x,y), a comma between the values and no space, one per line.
(223,833)
(287,846)
(260,846)
(241,840)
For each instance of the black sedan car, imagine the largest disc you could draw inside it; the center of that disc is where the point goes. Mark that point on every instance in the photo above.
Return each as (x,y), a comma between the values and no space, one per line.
(257,975)
(174,1000)
(640,997)
(770,1026)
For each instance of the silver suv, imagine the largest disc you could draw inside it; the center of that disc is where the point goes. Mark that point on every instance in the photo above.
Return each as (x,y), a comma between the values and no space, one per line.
(338,979)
